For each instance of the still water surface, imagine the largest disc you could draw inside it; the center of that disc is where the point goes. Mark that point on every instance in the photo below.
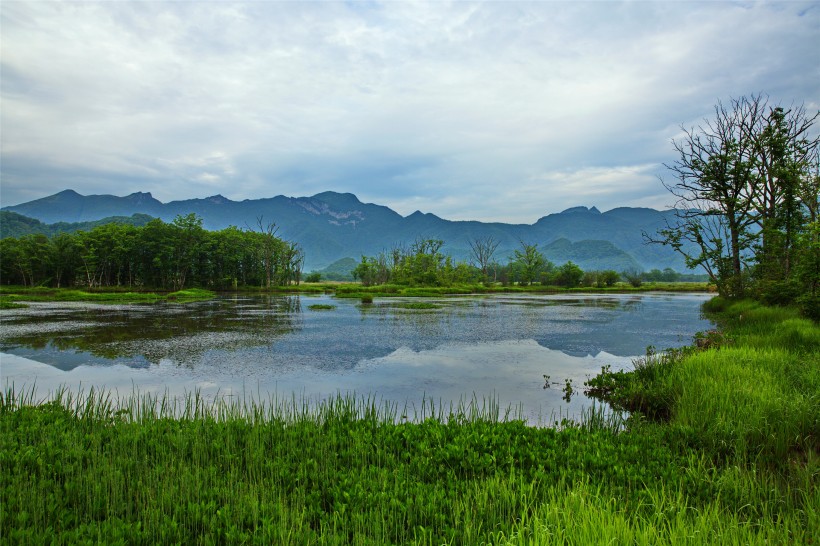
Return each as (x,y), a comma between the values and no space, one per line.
(260,347)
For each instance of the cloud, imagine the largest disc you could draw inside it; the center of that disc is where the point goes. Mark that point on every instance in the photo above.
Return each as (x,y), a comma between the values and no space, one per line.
(469,110)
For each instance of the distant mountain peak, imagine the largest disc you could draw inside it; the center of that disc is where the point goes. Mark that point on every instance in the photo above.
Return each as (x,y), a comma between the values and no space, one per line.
(574,210)
(67,193)
(334,198)
(140,196)
(329,204)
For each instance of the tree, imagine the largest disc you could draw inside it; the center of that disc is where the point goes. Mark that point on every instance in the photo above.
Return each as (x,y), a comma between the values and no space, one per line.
(481,254)
(715,190)
(529,261)
(784,152)
(608,277)
(746,197)
(569,275)
(268,245)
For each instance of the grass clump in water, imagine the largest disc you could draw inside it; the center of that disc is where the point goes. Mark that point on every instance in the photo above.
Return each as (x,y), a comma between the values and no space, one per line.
(191,294)
(7,302)
(416,305)
(109,295)
(321,307)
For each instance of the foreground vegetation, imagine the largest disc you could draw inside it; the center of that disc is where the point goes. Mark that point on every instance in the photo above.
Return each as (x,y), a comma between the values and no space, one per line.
(730,457)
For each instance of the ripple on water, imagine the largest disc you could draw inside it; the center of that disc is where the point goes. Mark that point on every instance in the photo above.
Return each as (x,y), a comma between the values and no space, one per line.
(488,346)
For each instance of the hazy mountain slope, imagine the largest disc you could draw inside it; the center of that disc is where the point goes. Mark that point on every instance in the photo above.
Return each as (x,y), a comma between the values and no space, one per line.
(13,224)
(331,226)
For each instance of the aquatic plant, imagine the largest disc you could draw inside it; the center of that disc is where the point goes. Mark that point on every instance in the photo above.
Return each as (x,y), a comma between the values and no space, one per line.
(321,307)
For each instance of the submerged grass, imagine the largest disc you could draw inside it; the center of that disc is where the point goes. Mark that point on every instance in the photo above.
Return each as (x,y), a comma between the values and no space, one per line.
(355,290)
(321,307)
(12,295)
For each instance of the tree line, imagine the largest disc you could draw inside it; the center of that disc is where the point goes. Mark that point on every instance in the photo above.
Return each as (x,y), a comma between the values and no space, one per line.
(423,264)
(747,182)
(167,256)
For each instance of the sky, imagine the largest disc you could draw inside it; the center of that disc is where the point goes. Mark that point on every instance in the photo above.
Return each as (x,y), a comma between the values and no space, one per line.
(493,111)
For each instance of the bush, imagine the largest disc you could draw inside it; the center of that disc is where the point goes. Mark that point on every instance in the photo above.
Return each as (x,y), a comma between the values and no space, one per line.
(810,306)
(633,277)
(778,292)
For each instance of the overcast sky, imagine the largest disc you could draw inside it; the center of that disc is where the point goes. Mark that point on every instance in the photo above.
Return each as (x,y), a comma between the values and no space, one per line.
(497,111)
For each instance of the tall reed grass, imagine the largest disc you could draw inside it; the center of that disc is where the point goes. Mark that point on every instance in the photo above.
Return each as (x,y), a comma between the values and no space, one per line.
(150,469)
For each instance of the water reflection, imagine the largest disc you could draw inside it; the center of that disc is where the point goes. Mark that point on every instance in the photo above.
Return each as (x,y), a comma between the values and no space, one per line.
(499,346)
(68,335)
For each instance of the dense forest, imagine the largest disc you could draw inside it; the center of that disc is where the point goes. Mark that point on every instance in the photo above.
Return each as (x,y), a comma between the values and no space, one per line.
(158,255)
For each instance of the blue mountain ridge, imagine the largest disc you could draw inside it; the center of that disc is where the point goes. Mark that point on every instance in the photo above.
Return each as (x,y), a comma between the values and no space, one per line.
(330,226)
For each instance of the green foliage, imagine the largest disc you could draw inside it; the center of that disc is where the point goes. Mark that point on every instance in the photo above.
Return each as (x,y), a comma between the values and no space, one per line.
(321,307)
(16,225)
(529,263)
(568,275)
(158,255)
(750,395)
(347,470)
(748,180)
(422,265)
(633,277)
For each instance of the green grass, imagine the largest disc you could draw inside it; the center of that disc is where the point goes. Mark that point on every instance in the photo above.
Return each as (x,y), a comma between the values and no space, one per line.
(108,295)
(190,294)
(144,470)
(731,457)
(355,290)
(416,305)
(321,307)
(7,302)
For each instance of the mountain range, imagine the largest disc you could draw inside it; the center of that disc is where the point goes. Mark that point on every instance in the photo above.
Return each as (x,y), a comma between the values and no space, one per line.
(331,226)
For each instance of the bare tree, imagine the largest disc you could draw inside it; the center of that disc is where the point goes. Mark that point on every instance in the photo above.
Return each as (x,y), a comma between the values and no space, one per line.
(481,253)
(715,187)
(269,248)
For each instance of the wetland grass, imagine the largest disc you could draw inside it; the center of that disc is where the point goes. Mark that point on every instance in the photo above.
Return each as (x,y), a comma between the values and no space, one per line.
(149,469)
(12,295)
(321,307)
(730,458)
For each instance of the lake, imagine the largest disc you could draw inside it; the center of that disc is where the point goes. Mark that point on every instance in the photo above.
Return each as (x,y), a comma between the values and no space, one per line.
(496,347)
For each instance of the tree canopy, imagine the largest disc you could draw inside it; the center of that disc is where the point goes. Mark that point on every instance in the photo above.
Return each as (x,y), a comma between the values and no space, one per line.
(160,255)
(747,184)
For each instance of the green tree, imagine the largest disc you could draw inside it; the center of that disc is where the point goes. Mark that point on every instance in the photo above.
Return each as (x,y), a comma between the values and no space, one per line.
(714,184)
(529,262)
(785,152)
(569,275)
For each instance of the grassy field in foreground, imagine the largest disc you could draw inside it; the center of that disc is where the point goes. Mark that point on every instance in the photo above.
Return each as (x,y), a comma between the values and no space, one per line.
(734,462)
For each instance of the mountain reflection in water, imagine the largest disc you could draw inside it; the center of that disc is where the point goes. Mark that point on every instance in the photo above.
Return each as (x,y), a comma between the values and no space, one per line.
(496,346)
